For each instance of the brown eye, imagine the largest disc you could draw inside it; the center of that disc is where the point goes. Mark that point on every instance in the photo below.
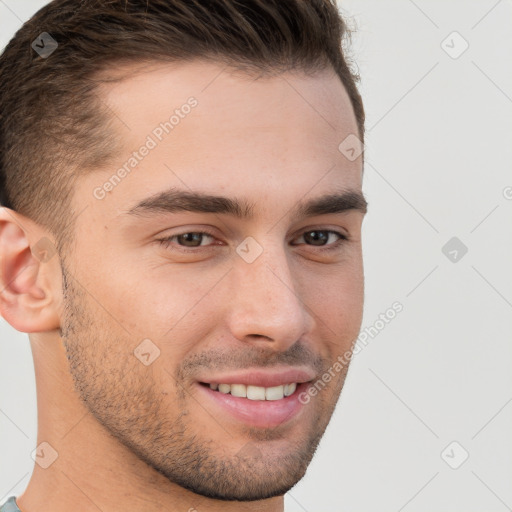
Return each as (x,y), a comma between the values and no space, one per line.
(190,239)
(316,237)
(320,237)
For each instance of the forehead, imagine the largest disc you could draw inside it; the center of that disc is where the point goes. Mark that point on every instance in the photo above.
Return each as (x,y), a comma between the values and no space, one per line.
(210,129)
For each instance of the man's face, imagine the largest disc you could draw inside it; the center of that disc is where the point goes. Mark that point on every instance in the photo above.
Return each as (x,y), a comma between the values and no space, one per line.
(255,302)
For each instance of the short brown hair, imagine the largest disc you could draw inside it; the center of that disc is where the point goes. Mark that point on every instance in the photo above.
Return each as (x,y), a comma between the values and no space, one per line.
(54,127)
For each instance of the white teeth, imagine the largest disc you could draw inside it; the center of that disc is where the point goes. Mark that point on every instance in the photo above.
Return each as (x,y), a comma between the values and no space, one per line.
(239,390)
(224,388)
(256,392)
(275,393)
(289,389)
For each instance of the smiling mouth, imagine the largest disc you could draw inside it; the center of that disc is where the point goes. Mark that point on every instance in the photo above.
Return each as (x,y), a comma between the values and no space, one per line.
(259,399)
(254,392)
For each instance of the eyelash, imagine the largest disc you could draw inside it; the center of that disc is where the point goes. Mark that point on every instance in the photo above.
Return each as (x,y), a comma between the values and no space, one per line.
(166,242)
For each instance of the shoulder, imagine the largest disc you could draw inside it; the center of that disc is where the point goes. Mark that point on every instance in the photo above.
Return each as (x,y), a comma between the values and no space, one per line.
(10,505)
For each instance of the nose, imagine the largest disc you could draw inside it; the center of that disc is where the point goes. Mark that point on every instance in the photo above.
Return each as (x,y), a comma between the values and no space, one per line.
(266,309)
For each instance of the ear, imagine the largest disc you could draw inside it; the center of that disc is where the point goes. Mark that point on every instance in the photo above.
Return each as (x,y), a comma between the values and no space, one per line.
(30,274)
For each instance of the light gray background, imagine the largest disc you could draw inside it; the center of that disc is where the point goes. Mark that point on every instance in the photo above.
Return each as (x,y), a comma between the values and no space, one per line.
(438,153)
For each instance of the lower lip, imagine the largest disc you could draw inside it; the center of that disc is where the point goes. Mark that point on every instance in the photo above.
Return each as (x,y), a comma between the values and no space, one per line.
(257,413)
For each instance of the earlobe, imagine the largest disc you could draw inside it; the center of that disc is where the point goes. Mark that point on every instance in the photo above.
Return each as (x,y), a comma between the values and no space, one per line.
(28,275)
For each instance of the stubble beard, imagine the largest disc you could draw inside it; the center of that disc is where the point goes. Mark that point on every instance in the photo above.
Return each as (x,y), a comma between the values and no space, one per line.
(123,396)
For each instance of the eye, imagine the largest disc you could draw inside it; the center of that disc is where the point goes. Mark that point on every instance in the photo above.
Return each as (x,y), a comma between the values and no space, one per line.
(321,237)
(189,239)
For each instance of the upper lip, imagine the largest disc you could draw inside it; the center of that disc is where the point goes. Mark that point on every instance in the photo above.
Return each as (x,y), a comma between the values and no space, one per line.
(262,378)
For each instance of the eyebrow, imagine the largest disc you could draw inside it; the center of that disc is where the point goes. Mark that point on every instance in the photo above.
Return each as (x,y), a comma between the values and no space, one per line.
(176,200)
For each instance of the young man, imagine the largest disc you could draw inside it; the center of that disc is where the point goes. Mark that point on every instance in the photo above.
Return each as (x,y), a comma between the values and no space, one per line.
(181,238)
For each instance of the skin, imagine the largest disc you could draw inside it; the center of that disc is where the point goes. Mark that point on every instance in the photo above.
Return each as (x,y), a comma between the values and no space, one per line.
(119,427)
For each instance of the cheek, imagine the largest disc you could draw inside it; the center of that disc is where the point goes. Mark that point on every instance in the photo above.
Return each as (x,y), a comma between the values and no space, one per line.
(158,303)
(337,301)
